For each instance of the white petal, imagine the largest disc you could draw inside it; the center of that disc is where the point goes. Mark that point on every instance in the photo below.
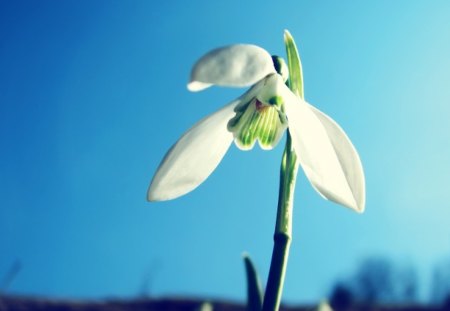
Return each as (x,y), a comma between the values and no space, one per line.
(325,153)
(196,86)
(194,157)
(235,65)
(348,157)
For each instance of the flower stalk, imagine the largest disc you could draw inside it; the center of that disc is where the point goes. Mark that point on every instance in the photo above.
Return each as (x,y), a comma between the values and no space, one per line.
(273,104)
(288,173)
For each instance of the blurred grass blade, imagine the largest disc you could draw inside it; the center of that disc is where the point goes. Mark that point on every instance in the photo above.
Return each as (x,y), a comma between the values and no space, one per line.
(254,291)
(294,65)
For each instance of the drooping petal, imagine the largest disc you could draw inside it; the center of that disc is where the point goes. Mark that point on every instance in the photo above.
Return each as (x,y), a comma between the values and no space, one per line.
(238,65)
(325,153)
(348,157)
(194,157)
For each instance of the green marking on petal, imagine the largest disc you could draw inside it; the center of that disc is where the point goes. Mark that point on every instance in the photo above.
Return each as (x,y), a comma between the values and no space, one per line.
(259,122)
(276,101)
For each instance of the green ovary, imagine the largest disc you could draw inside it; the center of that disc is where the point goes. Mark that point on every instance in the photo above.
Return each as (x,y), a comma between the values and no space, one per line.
(257,122)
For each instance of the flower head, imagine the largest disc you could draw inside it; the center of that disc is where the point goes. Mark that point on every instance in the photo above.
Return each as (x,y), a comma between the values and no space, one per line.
(262,114)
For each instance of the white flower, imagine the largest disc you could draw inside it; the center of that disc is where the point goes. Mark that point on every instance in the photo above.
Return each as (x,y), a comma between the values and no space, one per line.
(325,153)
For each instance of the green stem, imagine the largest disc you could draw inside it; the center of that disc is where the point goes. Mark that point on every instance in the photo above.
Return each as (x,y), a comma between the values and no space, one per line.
(283,229)
(289,166)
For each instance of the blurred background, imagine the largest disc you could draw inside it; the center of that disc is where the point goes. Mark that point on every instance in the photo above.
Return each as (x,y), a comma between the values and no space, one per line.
(93,94)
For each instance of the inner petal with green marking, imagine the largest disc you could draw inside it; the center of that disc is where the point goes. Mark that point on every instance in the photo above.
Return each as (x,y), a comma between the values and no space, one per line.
(257,121)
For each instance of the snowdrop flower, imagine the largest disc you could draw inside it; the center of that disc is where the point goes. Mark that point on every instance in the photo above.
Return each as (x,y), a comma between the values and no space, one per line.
(262,114)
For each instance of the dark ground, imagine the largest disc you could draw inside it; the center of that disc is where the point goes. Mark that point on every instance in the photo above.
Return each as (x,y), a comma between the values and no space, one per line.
(18,303)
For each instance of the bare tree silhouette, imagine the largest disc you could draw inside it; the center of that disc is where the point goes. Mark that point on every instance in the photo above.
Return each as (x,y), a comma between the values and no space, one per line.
(341,297)
(376,280)
(440,283)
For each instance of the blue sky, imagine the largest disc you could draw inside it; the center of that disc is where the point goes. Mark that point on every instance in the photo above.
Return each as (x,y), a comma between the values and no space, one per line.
(93,93)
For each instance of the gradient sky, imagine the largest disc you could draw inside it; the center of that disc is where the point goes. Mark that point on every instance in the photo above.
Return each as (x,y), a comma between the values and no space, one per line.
(93,94)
